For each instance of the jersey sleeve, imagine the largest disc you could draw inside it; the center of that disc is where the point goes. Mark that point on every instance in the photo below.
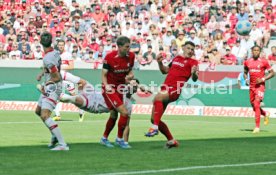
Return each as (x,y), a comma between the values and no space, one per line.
(50,64)
(106,62)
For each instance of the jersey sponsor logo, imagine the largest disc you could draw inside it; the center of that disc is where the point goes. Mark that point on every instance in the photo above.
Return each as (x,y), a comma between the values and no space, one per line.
(121,70)
(255,70)
(178,63)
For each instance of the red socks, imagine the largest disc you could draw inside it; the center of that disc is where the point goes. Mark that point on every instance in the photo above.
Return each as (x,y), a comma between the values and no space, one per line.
(121,125)
(158,112)
(257,113)
(163,128)
(109,126)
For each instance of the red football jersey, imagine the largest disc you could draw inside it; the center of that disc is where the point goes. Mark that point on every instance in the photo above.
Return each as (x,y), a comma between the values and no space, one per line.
(257,69)
(180,71)
(118,67)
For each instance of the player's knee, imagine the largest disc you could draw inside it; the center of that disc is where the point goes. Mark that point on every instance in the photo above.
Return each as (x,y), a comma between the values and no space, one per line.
(124,112)
(257,103)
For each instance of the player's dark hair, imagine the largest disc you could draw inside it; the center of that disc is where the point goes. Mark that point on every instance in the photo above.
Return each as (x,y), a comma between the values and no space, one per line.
(46,39)
(189,43)
(273,47)
(122,40)
(61,41)
(257,47)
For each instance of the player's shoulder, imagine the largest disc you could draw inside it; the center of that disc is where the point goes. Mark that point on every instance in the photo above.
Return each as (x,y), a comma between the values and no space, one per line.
(131,54)
(111,55)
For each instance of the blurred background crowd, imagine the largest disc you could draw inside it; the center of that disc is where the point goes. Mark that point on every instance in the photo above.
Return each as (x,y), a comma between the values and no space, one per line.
(88,29)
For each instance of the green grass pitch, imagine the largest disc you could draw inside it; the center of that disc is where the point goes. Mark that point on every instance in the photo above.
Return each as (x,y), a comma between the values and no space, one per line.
(205,142)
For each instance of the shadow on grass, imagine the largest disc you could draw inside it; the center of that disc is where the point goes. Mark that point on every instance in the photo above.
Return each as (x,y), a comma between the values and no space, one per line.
(251,130)
(93,158)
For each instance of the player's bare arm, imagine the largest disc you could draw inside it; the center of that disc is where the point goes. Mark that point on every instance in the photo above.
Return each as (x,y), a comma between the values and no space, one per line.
(195,73)
(130,76)
(270,75)
(40,75)
(245,72)
(163,69)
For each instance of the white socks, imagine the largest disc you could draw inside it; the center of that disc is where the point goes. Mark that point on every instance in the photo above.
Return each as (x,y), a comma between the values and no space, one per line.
(53,126)
(58,109)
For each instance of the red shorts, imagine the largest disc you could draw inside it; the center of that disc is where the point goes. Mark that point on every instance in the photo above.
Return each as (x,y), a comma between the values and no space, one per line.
(113,100)
(174,93)
(256,93)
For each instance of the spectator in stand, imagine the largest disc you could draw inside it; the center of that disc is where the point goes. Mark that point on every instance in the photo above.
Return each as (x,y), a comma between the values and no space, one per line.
(242,15)
(134,45)
(211,25)
(233,39)
(240,52)
(256,34)
(11,35)
(247,43)
(229,59)
(108,46)
(148,56)
(263,25)
(199,53)
(24,42)
(214,57)
(167,39)
(144,46)
(181,39)
(272,56)
(213,8)
(38,54)
(15,54)
(77,10)
(26,54)
(193,38)
(257,14)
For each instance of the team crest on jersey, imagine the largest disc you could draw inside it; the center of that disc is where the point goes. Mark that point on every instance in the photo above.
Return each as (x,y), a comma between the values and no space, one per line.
(115,103)
(128,64)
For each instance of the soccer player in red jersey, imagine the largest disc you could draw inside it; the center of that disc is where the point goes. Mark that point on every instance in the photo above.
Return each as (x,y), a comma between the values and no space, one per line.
(117,71)
(179,71)
(256,67)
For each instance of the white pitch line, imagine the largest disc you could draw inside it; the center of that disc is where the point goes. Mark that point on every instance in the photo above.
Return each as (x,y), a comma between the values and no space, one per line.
(95,121)
(189,168)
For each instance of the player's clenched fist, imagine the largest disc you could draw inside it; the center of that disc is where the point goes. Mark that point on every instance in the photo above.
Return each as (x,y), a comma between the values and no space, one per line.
(159,58)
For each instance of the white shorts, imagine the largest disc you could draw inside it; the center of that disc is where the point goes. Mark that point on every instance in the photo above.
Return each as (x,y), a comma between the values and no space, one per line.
(69,81)
(95,103)
(49,101)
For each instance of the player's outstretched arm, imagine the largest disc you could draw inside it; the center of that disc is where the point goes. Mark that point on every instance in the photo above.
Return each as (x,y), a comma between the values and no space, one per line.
(40,75)
(163,69)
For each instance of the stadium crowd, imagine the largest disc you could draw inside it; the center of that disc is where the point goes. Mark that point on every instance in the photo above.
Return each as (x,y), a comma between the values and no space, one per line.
(158,26)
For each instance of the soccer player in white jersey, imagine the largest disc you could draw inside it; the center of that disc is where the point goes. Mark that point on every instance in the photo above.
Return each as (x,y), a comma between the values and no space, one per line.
(92,101)
(51,91)
(67,63)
